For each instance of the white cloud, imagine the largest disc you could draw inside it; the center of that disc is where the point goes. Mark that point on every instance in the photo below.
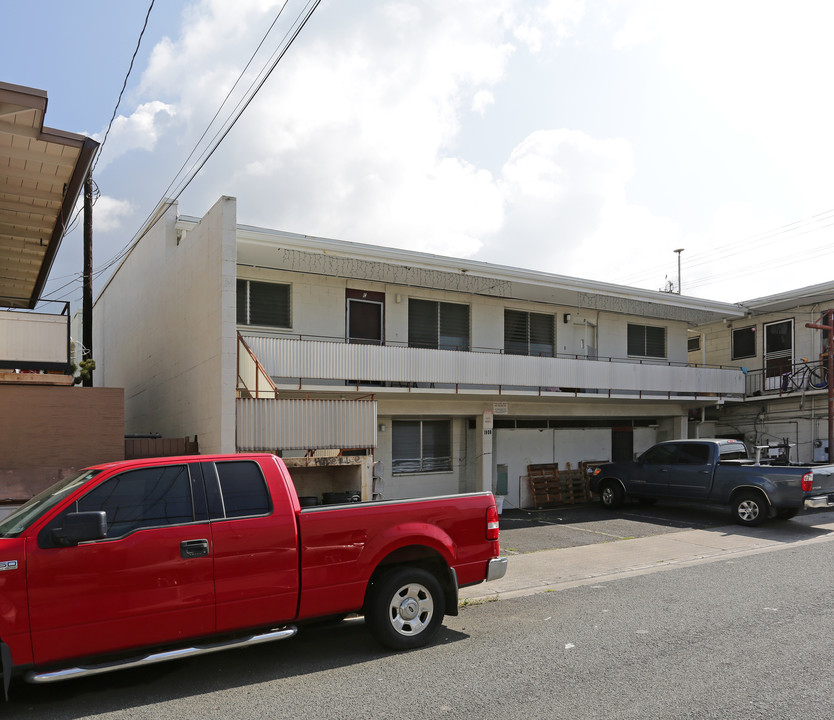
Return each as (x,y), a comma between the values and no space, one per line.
(482,100)
(139,131)
(560,187)
(109,213)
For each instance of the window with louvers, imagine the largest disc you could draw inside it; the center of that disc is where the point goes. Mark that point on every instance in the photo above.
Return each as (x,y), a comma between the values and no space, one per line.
(528,333)
(646,341)
(421,446)
(265,304)
(438,325)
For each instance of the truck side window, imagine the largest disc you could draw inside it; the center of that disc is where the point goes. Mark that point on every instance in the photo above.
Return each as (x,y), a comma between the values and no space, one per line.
(148,497)
(660,455)
(244,489)
(692,454)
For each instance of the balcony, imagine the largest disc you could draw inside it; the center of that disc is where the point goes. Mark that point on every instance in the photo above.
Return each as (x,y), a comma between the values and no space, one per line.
(302,364)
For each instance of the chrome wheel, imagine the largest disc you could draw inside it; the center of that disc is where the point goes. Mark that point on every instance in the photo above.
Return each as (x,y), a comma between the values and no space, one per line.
(411,609)
(748,510)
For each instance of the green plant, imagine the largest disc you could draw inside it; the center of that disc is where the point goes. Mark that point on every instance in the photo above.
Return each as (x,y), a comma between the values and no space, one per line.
(83,370)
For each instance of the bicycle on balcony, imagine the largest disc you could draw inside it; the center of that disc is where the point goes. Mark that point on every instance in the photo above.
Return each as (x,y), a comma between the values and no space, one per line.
(805,377)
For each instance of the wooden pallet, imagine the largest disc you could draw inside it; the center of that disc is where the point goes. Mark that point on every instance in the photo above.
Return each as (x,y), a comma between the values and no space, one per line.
(545,484)
(551,486)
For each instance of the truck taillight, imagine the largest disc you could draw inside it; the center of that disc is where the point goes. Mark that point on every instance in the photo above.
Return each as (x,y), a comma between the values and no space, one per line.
(808,482)
(492,523)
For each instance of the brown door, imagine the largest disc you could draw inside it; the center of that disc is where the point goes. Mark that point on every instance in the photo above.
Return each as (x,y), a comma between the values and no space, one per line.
(365,314)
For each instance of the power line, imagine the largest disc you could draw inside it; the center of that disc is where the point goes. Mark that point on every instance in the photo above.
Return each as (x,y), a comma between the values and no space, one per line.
(219,136)
(124,85)
(760,240)
(225,128)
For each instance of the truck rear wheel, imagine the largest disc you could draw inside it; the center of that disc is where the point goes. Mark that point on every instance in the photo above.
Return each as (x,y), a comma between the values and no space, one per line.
(750,508)
(406,608)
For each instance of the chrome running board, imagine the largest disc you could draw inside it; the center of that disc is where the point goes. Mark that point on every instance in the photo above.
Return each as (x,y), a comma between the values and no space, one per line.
(33,676)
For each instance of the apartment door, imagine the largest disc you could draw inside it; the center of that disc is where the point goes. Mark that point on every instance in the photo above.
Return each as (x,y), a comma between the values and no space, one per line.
(365,316)
(778,352)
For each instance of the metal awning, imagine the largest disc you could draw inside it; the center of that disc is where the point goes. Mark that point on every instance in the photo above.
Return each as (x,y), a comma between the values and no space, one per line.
(42,173)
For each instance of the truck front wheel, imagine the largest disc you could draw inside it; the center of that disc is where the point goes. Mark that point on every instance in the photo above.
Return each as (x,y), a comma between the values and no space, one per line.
(750,508)
(406,608)
(611,493)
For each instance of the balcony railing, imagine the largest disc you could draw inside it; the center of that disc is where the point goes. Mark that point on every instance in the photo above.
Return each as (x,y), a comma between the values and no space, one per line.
(301,363)
(35,340)
(802,377)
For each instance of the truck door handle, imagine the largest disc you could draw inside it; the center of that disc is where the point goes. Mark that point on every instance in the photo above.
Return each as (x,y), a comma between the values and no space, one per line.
(194,549)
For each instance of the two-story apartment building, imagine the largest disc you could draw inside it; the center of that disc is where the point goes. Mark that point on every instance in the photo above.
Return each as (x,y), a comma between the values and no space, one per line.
(786,396)
(452,375)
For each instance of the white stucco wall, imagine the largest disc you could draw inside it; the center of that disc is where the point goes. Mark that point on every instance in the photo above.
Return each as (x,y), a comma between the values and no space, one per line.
(164,329)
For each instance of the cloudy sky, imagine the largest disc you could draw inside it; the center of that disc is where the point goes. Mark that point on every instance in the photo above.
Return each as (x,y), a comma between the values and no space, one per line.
(584,138)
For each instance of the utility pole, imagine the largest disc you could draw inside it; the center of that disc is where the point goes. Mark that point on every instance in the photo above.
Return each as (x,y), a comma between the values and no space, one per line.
(87,301)
(679,251)
(826,322)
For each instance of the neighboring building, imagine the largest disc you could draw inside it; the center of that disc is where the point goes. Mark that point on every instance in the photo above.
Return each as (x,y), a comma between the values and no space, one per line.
(451,375)
(770,341)
(47,428)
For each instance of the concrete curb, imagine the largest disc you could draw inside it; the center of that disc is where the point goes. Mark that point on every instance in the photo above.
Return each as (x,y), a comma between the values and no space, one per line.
(552,570)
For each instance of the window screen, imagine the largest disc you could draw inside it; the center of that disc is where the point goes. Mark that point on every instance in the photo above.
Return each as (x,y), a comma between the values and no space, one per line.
(149,497)
(744,343)
(243,488)
(646,341)
(421,446)
(261,303)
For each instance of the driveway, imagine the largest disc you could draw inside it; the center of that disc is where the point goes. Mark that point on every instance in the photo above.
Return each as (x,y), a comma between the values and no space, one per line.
(576,525)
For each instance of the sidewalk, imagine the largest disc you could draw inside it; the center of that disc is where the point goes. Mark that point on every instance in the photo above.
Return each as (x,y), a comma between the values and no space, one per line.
(549,570)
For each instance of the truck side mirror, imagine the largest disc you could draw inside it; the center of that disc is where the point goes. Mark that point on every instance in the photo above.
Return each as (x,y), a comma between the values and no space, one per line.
(81,527)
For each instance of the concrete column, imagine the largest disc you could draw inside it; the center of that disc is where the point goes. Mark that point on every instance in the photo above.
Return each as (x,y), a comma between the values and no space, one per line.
(483,451)
(681,424)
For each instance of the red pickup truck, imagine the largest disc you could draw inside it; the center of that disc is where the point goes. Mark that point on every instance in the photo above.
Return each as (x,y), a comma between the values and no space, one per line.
(137,562)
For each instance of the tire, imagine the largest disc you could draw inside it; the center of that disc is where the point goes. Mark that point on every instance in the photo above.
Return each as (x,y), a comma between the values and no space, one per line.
(406,608)
(787,514)
(818,378)
(612,494)
(750,508)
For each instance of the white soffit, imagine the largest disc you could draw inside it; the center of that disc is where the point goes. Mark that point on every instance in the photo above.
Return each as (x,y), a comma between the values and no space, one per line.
(42,173)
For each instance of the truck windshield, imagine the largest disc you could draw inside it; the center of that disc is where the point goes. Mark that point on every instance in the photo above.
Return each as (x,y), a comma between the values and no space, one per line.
(21,518)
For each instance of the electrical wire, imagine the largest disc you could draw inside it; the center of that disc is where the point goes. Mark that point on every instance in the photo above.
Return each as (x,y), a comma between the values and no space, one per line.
(814,223)
(221,134)
(124,85)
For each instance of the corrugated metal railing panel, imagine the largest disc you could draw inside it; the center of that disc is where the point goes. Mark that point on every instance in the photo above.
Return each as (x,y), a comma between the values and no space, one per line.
(269,425)
(317,360)
(33,337)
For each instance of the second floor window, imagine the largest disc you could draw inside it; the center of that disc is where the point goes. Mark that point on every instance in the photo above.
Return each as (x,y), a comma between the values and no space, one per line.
(744,343)
(262,303)
(438,325)
(528,333)
(646,341)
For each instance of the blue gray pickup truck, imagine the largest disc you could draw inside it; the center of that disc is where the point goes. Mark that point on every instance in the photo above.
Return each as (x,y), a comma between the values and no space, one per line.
(716,471)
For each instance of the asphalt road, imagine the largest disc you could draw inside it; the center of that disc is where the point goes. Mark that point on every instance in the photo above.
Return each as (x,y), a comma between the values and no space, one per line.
(743,637)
